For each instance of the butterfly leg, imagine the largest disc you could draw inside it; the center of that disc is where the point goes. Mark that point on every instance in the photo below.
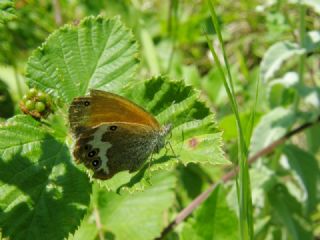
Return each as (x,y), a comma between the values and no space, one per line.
(171,148)
(148,178)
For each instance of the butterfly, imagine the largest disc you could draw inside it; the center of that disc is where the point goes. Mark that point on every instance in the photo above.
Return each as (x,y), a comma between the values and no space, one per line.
(113,134)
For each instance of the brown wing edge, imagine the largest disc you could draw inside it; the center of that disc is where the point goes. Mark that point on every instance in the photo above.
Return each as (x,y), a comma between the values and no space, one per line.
(79,113)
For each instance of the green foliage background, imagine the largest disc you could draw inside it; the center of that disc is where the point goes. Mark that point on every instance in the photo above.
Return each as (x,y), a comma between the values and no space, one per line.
(155,53)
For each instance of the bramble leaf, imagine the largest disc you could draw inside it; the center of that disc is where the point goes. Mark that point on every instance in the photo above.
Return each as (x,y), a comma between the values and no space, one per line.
(276,55)
(7,11)
(38,183)
(98,53)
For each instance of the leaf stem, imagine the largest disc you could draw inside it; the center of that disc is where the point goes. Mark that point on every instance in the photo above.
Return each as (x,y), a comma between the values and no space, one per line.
(98,223)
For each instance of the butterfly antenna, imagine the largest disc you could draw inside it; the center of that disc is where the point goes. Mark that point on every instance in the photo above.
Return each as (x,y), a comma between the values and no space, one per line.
(182,137)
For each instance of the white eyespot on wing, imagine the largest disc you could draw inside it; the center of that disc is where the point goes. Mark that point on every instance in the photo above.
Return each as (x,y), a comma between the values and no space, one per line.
(102,146)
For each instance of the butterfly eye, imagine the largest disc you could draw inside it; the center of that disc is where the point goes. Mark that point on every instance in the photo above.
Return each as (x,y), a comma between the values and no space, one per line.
(86,147)
(86,103)
(113,128)
(92,153)
(96,163)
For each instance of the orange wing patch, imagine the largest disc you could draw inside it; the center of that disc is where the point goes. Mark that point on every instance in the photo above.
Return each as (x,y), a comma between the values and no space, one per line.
(108,107)
(104,107)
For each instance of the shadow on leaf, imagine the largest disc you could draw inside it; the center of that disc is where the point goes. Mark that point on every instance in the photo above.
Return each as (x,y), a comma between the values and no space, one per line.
(142,174)
(41,186)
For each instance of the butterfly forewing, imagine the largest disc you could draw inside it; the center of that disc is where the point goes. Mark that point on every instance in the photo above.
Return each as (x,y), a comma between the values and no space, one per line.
(102,107)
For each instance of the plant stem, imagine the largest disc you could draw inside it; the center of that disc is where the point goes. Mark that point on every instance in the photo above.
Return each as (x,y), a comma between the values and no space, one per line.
(173,26)
(57,12)
(243,188)
(302,36)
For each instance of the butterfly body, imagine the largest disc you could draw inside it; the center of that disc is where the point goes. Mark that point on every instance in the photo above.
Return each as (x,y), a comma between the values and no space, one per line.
(113,134)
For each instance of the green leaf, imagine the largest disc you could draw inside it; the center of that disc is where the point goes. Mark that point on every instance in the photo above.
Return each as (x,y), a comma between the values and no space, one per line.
(228,124)
(191,76)
(87,230)
(271,127)
(201,225)
(6,101)
(192,181)
(7,11)
(282,91)
(195,137)
(43,196)
(288,210)
(212,220)
(262,180)
(306,167)
(312,138)
(276,55)
(98,53)
(213,86)
(312,42)
(149,52)
(135,216)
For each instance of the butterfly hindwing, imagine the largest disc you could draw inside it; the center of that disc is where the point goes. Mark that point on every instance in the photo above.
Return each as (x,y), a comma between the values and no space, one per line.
(113,147)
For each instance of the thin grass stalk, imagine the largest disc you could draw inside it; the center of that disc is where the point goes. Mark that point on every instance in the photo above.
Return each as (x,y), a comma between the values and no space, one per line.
(243,188)
(302,37)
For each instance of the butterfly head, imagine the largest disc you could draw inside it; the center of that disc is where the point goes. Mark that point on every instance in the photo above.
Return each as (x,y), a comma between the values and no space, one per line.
(161,139)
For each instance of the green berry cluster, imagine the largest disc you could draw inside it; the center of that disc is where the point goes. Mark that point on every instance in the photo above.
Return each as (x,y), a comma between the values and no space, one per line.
(36,103)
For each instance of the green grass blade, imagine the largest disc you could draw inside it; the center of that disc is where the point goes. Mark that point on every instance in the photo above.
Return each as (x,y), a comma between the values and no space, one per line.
(244,191)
